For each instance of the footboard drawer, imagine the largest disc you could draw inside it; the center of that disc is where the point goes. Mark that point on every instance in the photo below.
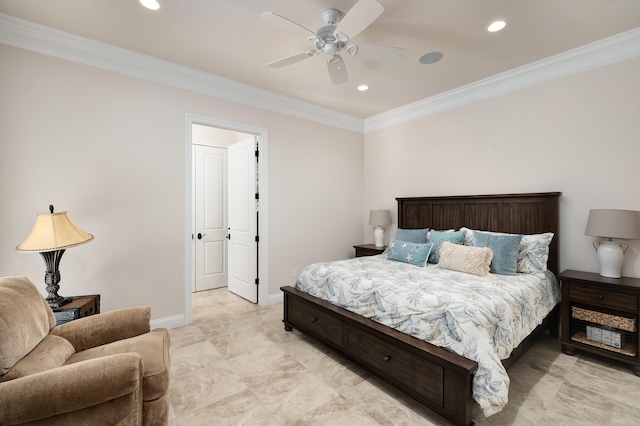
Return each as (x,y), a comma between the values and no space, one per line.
(413,374)
(320,324)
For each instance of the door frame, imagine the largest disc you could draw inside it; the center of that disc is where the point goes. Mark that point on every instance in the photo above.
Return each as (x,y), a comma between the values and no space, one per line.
(263,218)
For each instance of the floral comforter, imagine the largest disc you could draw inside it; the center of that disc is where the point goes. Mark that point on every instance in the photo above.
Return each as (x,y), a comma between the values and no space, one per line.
(480,318)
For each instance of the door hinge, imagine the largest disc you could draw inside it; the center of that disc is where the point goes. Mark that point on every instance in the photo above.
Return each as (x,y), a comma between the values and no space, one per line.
(257,195)
(257,281)
(257,238)
(257,153)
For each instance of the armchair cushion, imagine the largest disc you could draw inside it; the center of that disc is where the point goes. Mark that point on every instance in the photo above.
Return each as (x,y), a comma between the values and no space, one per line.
(25,319)
(108,327)
(107,388)
(52,352)
(153,347)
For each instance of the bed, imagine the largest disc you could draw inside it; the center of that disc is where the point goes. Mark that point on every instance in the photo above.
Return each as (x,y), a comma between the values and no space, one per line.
(435,376)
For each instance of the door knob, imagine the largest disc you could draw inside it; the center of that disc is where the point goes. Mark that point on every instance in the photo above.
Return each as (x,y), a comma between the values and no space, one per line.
(200,236)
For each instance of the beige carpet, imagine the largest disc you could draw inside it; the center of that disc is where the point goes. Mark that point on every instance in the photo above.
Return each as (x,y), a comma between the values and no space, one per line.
(235,365)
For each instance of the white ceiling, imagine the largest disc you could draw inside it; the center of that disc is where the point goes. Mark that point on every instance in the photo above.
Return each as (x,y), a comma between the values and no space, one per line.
(228,39)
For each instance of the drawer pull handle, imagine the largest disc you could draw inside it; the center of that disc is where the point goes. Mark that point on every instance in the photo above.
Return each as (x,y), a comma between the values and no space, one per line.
(600,297)
(314,319)
(387,358)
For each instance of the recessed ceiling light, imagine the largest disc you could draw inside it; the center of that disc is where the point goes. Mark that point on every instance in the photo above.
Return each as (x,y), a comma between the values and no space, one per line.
(363,87)
(150,4)
(430,58)
(496,26)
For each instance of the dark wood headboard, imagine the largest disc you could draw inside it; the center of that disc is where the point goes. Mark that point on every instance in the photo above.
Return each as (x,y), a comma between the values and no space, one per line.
(533,213)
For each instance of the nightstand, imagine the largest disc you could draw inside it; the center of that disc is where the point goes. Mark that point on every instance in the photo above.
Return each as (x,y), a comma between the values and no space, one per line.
(600,315)
(77,307)
(368,250)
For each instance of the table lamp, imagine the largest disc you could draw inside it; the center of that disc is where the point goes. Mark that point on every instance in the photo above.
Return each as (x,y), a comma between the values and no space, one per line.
(51,235)
(378,219)
(610,224)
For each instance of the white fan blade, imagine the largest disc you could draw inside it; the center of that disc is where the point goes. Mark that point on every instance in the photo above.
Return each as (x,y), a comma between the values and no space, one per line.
(285,24)
(337,70)
(292,59)
(359,17)
(373,52)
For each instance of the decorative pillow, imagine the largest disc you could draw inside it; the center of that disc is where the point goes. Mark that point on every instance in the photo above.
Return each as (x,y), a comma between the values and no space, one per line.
(408,252)
(412,235)
(467,259)
(438,237)
(504,248)
(533,252)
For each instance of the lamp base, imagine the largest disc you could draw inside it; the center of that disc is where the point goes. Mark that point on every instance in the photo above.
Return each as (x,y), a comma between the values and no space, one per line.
(52,278)
(378,236)
(57,302)
(610,255)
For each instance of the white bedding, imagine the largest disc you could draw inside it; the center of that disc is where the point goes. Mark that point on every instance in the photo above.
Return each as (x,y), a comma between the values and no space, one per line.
(480,318)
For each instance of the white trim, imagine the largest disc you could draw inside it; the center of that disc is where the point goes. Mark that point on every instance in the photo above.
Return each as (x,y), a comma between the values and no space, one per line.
(275,298)
(603,52)
(38,38)
(174,321)
(263,246)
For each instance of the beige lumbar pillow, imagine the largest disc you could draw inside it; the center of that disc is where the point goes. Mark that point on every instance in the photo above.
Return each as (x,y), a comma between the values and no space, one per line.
(468,259)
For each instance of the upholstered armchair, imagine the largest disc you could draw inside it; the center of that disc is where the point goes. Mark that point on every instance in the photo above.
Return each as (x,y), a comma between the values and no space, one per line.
(103,369)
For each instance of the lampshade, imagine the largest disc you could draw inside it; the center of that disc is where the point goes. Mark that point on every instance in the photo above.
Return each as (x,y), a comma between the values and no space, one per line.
(379,217)
(607,223)
(53,231)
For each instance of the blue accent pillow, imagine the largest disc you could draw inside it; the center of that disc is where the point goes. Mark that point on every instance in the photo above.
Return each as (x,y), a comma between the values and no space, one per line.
(409,252)
(438,237)
(412,235)
(504,248)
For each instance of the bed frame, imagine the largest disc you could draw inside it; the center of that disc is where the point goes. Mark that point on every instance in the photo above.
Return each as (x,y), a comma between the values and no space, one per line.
(439,379)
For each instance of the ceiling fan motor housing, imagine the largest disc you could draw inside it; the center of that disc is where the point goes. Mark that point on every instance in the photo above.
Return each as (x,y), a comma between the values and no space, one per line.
(331,16)
(326,38)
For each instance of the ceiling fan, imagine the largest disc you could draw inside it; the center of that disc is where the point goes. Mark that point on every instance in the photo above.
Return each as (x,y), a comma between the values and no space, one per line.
(335,37)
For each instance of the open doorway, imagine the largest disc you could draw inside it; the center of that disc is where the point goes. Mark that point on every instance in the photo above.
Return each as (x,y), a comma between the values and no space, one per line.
(226,155)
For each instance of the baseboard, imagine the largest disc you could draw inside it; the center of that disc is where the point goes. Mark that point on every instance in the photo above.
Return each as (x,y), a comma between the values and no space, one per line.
(272,299)
(174,321)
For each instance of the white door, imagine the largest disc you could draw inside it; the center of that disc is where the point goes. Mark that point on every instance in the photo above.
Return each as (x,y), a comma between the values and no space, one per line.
(210,217)
(243,220)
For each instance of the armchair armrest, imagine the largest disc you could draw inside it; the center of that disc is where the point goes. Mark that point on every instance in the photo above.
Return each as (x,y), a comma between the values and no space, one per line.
(100,329)
(71,388)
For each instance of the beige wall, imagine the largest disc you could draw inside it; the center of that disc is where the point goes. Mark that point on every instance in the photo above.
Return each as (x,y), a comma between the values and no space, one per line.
(110,148)
(579,135)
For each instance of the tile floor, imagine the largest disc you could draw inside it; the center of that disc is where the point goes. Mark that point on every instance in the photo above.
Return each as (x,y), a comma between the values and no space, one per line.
(235,365)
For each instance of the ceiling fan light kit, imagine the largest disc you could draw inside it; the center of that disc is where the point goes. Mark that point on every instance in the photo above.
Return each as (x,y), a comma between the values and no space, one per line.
(334,38)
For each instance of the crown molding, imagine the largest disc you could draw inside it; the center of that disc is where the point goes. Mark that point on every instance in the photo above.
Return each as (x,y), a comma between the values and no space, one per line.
(616,48)
(38,38)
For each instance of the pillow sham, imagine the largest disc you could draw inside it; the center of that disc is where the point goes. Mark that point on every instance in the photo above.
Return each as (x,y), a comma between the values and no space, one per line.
(438,237)
(409,252)
(504,248)
(412,235)
(467,259)
(533,252)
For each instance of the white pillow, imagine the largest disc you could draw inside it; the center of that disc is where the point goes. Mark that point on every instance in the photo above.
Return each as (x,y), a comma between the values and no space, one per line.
(533,252)
(467,259)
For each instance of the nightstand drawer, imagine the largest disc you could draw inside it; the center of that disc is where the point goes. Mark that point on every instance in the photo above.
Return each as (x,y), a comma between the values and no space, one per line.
(604,298)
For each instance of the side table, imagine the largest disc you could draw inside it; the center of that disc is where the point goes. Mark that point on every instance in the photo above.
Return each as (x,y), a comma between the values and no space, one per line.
(600,315)
(77,307)
(368,250)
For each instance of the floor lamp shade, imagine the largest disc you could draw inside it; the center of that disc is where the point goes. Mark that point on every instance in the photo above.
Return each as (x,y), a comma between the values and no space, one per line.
(610,224)
(378,219)
(50,236)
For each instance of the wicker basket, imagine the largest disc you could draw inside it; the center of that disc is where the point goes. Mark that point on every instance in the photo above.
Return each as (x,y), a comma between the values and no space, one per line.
(622,323)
